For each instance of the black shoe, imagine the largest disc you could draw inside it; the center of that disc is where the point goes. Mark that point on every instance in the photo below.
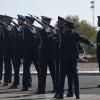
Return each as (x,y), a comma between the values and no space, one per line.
(24,89)
(40,92)
(29,85)
(60,97)
(5,84)
(55,96)
(53,91)
(69,95)
(77,97)
(13,87)
(98,86)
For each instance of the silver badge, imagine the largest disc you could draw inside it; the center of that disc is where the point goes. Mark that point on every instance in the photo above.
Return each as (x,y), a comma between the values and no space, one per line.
(33,30)
(19,28)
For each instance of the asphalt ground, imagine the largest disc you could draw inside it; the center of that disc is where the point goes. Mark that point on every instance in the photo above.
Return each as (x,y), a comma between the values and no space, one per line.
(88,90)
(81,67)
(89,79)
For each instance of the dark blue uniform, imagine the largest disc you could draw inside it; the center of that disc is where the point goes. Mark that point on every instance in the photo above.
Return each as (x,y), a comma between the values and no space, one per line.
(98,45)
(12,34)
(68,62)
(81,50)
(31,55)
(98,48)
(47,57)
(18,52)
(1,52)
(57,47)
(57,60)
(7,55)
(18,49)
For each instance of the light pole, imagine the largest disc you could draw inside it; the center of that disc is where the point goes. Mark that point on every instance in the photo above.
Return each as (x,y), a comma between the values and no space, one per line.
(92,7)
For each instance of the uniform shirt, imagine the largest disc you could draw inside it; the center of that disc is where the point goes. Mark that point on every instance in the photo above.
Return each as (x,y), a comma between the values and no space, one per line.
(18,37)
(47,41)
(98,45)
(1,38)
(69,45)
(7,40)
(30,35)
(31,41)
(98,38)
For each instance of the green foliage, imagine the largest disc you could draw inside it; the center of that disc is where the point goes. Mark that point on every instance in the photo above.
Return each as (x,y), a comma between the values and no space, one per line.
(85,29)
(88,49)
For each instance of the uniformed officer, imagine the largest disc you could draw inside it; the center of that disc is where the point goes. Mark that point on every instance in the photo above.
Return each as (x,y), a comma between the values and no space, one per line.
(59,27)
(98,45)
(18,49)
(11,40)
(46,54)
(1,48)
(7,50)
(31,52)
(68,60)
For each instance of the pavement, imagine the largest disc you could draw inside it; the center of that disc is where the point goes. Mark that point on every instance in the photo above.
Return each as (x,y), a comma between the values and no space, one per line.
(88,90)
(24,96)
(84,69)
(89,79)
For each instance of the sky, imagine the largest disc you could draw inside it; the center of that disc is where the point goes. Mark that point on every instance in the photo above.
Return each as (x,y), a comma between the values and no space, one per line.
(52,8)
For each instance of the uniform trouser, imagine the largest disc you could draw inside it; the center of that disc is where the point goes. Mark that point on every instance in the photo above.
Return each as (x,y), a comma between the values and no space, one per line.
(26,81)
(69,68)
(38,69)
(43,64)
(17,64)
(7,69)
(57,72)
(98,56)
(26,72)
(1,65)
